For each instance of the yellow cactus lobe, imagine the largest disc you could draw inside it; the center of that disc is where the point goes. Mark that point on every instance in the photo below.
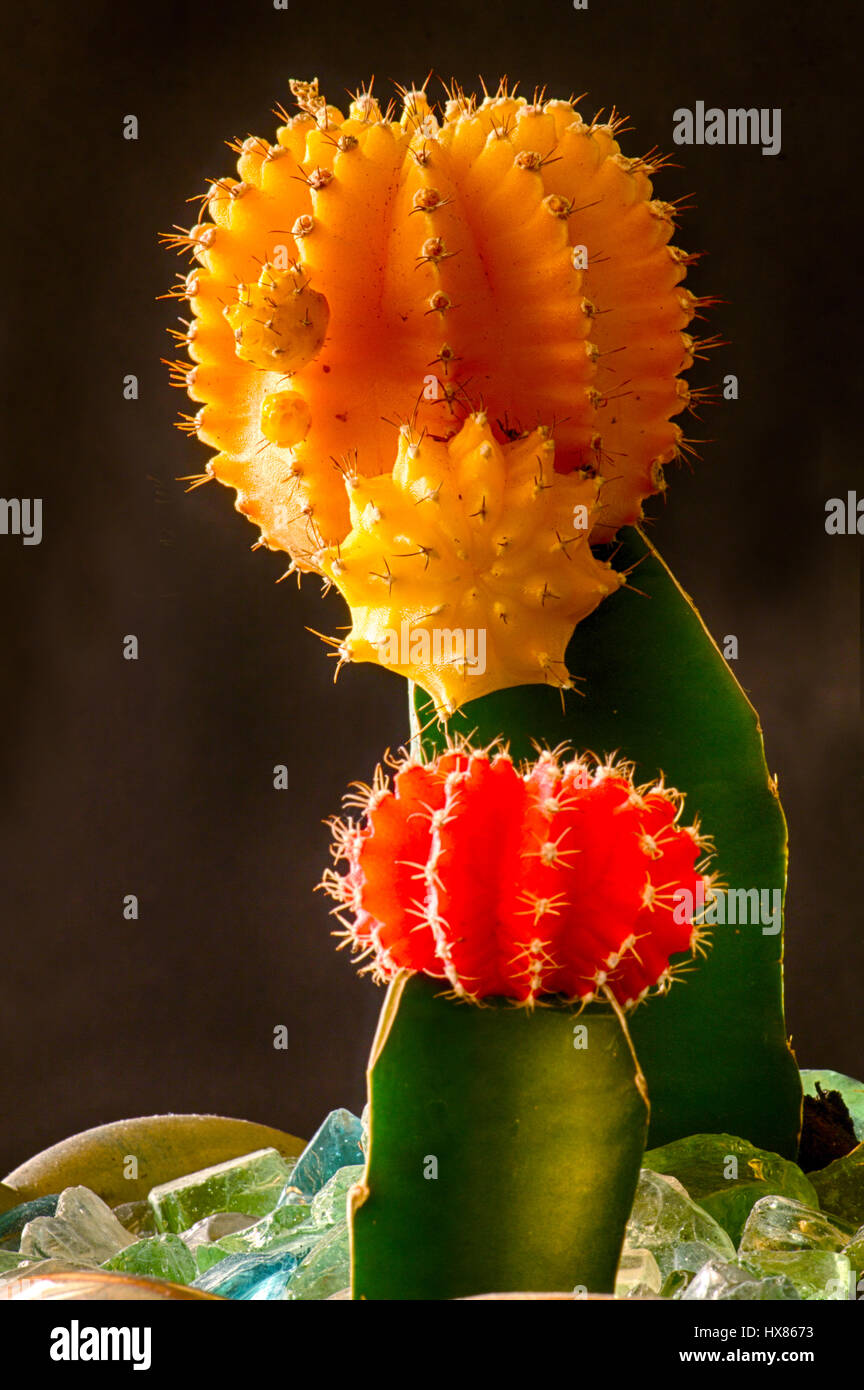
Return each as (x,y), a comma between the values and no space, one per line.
(279,323)
(285,418)
(502,255)
(467,567)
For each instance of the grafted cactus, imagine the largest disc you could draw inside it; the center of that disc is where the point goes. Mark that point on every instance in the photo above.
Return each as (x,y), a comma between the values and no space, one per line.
(379,270)
(440,355)
(473,885)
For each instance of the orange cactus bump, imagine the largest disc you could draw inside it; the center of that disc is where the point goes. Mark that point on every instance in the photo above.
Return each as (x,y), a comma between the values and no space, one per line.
(468,567)
(559,878)
(383,270)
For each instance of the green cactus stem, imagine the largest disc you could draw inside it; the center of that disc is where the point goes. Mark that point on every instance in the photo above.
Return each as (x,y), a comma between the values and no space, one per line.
(504,1148)
(658,691)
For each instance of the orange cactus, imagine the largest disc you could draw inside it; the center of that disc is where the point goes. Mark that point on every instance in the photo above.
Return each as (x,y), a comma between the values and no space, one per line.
(379,272)
(502,255)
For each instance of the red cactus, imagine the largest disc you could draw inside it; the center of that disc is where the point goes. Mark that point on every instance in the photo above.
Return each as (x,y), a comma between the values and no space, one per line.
(560,878)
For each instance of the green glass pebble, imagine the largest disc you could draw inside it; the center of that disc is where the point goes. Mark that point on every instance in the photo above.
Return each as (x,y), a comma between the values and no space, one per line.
(727,1175)
(206,1256)
(851,1090)
(675,1283)
(664,1218)
(818,1275)
(329,1205)
(692,1255)
(719,1281)
(325,1270)
(777,1223)
(136,1217)
(212,1228)
(840,1187)
(160,1257)
(84,1232)
(286,1228)
(854,1251)
(298,1228)
(252,1185)
(638,1275)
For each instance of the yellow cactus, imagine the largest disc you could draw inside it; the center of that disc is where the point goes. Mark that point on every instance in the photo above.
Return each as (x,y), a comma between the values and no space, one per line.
(468,567)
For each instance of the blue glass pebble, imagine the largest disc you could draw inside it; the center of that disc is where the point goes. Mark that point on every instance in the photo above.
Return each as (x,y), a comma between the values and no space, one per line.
(253,1278)
(12,1222)
(335,1145)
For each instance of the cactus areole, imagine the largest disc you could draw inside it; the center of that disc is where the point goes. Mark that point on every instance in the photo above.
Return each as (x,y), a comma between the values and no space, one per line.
(438,352)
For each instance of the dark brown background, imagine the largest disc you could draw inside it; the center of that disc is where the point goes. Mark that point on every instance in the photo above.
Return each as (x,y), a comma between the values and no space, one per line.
(155,777)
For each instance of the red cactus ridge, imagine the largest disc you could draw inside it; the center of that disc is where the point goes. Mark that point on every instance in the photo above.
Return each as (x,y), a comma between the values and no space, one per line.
(557,878)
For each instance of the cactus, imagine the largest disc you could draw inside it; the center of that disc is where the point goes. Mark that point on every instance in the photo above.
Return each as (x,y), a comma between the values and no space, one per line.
(716,1055)
(561,885)
(467,568)
(554,880)
(440,354)
(385,269)
(504,1149)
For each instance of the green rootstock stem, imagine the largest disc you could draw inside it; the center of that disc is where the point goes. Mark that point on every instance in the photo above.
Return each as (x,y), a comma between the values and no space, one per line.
(656,689)
(504,1151)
